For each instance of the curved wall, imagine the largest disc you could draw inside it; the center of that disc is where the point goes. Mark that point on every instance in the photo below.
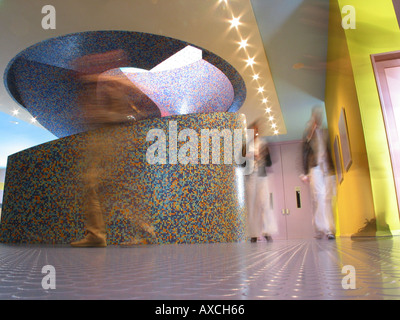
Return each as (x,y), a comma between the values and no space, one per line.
(44,80)
(185,203)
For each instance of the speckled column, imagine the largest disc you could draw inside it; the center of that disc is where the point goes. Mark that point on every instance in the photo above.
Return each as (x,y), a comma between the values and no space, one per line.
(186,203)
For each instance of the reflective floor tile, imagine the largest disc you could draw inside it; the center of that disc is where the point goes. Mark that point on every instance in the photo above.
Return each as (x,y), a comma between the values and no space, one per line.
(281,270)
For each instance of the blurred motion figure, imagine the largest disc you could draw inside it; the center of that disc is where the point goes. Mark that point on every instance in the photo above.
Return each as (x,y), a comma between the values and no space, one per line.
(318,172)
(107,99)
(260,217)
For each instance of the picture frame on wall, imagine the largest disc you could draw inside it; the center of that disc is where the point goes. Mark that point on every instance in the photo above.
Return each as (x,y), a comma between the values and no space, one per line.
(396,5)
(344,141)
(338,162)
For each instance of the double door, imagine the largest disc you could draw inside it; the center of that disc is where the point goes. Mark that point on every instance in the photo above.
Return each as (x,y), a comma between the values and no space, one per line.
(290,198)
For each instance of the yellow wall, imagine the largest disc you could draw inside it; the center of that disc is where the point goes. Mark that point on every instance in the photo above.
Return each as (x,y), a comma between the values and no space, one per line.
(377,31)
(354,194)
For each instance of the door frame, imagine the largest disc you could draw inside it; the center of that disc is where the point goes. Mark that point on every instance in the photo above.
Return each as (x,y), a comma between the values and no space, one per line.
(379,62)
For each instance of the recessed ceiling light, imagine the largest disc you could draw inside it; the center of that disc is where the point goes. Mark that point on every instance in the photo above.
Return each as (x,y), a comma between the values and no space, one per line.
(265,100)
(250,61)
(260,89)
(234,22)
(256,77)
(243,44)
(15,112)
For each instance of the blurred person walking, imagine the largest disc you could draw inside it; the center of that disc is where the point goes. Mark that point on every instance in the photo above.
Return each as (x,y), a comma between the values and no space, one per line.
(261,221)
(318,172)
(107,100)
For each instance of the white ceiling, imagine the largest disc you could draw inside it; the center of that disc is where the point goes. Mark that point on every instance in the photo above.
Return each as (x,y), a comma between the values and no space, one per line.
(286,38)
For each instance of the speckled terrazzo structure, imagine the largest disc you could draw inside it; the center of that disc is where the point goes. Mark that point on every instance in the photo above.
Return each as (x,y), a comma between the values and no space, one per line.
(197,87)
(42,78)
(185,200)
(185,203)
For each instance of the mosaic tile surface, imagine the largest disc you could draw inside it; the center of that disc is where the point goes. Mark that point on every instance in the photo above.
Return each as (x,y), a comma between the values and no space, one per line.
(281,270)
(43,80)
(197,87)
(186,203)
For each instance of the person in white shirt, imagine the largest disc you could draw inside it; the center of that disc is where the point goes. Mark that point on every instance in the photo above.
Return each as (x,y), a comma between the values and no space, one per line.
(318,172)
(261,221)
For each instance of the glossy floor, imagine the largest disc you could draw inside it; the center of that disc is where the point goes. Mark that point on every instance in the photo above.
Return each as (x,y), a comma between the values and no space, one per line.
(297,269)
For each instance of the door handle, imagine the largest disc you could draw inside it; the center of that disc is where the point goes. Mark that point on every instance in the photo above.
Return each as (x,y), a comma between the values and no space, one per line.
(285,211)
(298,197)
